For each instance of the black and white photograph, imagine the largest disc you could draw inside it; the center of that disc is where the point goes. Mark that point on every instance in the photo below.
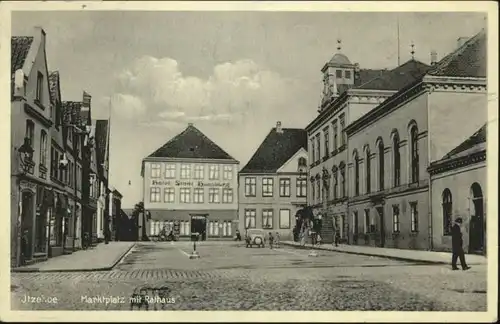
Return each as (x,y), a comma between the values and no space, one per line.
(245,157)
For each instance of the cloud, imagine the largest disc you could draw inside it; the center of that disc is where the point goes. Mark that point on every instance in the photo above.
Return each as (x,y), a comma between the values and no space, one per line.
(127,106)
(232,92)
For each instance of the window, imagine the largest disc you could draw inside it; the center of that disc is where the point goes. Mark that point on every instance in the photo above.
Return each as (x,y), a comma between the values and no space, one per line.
(211,228)
(267,187)
(367,221)
(318,190)
(338,74)
(155,170)
(213,172)
(342,174)
(284,218)
(169,195)
(447,210)
(397,160)
(43,148)
(229,228)
(213,195)
(185,195)
(169,171)
(284,187)
(368,171)
(267,218)
(335,135)
(224,228)
(199,170)
(313,151)
(414,217)
(227,196)
(54,163)
(301,187)
(216,228)
(342,130)
(356,174)
(39,87)
(395,218)
(154,195)
(250,186)
(313,191)
(327,141)
(347,74)
(250,215)
(198,195)
(355,224)
(414,154)
(318,147)
(228,172)
(30,132)
(302,162)
(185,171)
(381,165)
(335,182)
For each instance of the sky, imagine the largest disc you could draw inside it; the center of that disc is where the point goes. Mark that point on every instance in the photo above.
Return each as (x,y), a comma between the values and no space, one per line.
(232,74)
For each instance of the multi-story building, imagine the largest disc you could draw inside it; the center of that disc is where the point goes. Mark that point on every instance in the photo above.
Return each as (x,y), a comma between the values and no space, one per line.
(349,93)
(115,207)
(190,186)
(273,184)
(59,212)
(404,135)
(31,122)
(458,189)
(102,157)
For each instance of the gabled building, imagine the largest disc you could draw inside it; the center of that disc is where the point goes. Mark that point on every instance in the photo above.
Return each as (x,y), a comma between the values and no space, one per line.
(189,187)
(31,120)
(273,184)
(102,161)
(390,195)
(458,189)
(349,93)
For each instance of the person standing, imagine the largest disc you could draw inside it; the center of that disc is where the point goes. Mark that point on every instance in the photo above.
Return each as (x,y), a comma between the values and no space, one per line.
(457,246)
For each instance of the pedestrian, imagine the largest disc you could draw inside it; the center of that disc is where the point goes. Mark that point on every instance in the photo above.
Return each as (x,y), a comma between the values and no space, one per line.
(238,236)
(271,239)
(457,246)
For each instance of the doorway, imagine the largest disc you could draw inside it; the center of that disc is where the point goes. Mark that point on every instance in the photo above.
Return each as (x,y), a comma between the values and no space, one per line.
(355,229)
(27,225)
(380,211)
(477,224)
(199,225)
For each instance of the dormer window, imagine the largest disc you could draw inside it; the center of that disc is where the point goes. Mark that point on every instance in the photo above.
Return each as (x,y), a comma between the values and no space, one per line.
(338,74)
(302,162)
(347,74)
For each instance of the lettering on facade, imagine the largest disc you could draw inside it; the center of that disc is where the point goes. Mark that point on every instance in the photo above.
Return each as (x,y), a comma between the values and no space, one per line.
(179,183)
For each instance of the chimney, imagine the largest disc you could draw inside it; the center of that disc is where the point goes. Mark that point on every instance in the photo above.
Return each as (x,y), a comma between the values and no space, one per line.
(279,130)
(461,41)
(190,124)
(433,57)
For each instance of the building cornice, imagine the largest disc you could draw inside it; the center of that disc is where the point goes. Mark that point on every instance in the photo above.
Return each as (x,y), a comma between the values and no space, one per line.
(36,114)
(455,84)
(460,162)
(328,108)
(190,160)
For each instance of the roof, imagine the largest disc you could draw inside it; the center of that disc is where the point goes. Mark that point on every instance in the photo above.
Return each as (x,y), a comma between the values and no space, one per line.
(54,85)
(475,143)
(20,46)
(71,112)
(469,60)
(101,138)
(192,143)
(275,150)
(398,77)
(340,59)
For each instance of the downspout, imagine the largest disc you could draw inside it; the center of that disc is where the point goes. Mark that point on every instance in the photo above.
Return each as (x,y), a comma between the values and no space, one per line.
(429,211)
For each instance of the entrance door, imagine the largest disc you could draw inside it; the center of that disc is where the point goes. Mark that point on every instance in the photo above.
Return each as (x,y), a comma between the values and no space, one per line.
(355,225)
(476,234)
(380,211)
(27,225)
(199,225)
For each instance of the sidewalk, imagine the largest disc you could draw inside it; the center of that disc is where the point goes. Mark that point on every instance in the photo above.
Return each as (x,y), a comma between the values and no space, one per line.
(397,254)
(101,257)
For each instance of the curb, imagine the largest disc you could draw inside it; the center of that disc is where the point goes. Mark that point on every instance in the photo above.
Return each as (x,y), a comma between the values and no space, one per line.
(370,254)
(77,270)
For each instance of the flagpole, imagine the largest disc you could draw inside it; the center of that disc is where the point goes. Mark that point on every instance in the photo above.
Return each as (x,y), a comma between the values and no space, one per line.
(399,57)
(106,166)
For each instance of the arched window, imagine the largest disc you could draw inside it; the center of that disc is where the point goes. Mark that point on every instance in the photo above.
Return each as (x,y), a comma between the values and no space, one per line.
(396,160)
(302,162)
(447,211)
(368,170)
(356,174)
(381,165)
(414,155)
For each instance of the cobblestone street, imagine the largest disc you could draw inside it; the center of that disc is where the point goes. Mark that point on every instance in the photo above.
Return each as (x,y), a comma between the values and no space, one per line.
(229,276)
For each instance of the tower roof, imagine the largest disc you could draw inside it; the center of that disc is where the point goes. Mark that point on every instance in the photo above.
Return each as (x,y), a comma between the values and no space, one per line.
(340,59)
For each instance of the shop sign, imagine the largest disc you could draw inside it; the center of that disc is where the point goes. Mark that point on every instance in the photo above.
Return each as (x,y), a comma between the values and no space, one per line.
(179,183)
